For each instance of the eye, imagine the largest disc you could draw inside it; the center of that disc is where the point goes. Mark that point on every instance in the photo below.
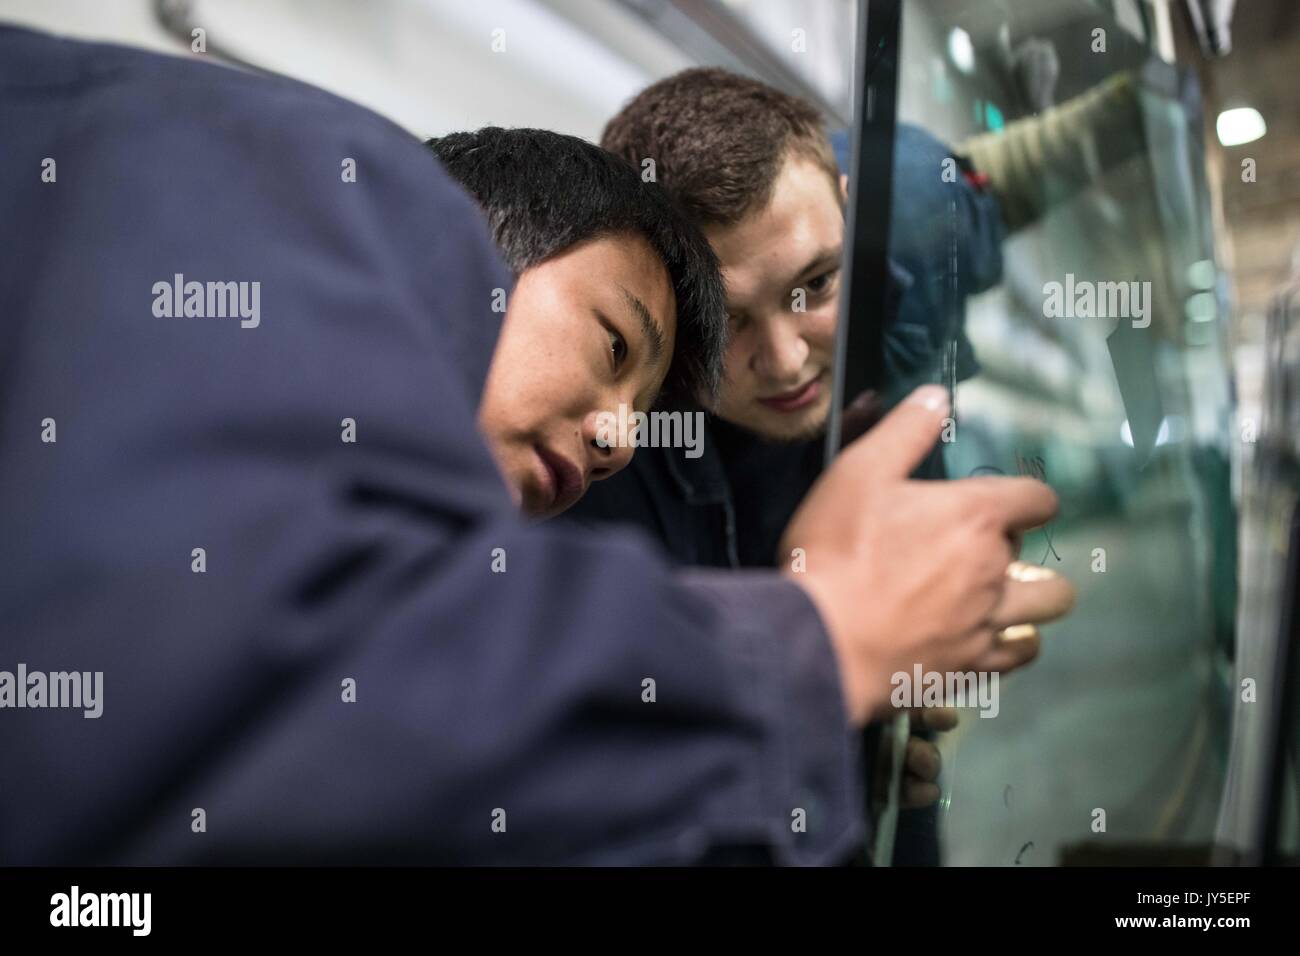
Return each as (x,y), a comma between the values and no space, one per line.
(617,349)
(821,284)
(736,321)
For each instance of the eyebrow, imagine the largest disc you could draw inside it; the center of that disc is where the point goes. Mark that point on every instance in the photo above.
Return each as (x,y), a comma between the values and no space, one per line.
(649,327)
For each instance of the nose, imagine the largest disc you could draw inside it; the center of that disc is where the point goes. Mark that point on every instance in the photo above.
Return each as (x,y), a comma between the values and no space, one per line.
(781,351)
(609,443)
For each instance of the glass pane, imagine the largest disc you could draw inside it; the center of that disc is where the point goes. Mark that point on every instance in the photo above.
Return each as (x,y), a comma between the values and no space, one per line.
(1051,219)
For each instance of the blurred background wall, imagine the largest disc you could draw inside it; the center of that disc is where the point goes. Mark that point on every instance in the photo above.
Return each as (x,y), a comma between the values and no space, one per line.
(438,65)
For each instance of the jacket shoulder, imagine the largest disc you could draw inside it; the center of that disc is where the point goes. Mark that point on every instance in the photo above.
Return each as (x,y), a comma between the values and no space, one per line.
(209,97)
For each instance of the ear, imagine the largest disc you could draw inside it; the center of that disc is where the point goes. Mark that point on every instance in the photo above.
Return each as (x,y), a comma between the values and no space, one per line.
(844,187)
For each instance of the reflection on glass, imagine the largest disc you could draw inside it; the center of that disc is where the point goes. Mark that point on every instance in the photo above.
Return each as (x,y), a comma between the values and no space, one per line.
(1060,270)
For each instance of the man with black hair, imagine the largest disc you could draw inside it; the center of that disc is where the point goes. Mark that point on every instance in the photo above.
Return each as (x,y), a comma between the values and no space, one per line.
(591,196)
(604,264)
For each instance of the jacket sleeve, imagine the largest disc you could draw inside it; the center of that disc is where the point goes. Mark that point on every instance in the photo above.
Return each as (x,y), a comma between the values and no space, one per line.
(317,650)
(1039,161)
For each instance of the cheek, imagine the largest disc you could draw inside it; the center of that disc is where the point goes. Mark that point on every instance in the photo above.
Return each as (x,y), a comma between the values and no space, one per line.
(549,394)
(819,330)
(516,380)
(499,434)
(497,417)
(737,361)
(739,358)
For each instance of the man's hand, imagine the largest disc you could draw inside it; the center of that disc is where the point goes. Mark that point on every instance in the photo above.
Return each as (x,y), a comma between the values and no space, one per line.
(915,572)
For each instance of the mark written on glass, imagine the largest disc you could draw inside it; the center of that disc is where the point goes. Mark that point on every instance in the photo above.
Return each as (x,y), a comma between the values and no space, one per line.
(1033,467)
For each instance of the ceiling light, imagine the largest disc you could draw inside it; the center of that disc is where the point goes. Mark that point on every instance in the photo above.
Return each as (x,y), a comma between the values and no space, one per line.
(1242,125)
(961,50)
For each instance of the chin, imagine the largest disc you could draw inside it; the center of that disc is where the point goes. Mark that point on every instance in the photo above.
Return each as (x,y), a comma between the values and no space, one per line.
(534,504)
(789,427)
(551,512)
(533,508)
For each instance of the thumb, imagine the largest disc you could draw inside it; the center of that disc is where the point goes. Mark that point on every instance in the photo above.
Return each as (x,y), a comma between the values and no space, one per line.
(902,439)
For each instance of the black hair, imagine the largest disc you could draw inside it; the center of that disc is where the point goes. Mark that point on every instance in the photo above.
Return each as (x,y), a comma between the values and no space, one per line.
(545,192)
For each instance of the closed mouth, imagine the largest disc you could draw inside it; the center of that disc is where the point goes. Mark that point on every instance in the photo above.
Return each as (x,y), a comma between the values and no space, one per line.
(796,398)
